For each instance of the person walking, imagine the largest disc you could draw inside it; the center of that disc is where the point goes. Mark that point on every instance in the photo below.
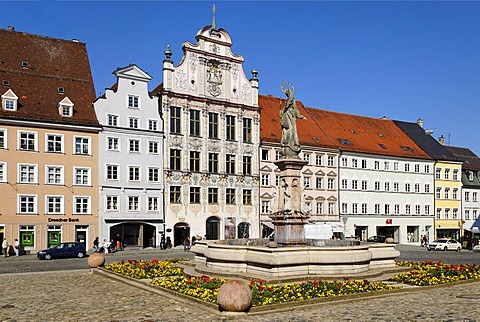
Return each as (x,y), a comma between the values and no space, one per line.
(106,246)
(16,248)
(5,247)
(96,242)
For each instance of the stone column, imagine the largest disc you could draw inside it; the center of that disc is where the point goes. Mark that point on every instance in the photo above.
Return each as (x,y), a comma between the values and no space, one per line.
(289,220)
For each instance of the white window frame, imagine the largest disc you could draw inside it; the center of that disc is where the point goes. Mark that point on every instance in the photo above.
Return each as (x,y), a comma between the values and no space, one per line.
(113,202)
(151,172)
(306,183)
(265,180)
(3,139)
(265,155)
(152,125)
(331,161)
(112,119)
(136,200)
(319,159)
(34,172)
(89,176)
(88,211)
(86,141)
(132,148)
(112,167)
(62,205)
(331,184)
(54,167)
(62,140)
(152,146)
(115,143)
(265,208)
(138,169)
(3,172)
(133,122)
(156,203)
(133,101)
(35,204)
(35,140)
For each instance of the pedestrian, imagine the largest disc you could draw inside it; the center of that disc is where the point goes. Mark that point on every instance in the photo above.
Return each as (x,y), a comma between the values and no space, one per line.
(5,247)
(169,242)
(118,245)
(106,245)
(186,244)
(162,242)
(96,243)
(16,248)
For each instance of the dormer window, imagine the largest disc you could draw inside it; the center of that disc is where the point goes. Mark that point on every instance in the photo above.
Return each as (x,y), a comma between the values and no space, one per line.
(470,175)
(9,101)
(24,64)
(6,83)
(61,90)
(65,107)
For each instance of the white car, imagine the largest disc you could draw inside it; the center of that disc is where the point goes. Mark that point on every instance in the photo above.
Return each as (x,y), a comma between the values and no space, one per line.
(445,244)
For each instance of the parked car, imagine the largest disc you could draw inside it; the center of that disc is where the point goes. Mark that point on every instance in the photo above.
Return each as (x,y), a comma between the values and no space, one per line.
(377,239)
(444,244)
(63,250)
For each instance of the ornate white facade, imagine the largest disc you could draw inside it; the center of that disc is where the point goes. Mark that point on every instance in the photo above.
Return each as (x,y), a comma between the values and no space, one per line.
(212,126)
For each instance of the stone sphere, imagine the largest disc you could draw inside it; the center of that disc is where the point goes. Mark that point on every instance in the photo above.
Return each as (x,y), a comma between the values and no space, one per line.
(234,296)
(389,240)
(476,248)
(272,244)
(96,260)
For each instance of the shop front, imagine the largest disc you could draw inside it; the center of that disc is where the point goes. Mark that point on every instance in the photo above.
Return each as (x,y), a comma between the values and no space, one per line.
(448,229)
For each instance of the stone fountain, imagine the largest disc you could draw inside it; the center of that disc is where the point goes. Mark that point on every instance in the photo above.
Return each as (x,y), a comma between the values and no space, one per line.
(292,257)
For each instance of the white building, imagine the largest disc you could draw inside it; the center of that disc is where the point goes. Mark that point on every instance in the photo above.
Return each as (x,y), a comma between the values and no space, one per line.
(130,161)
(212,141)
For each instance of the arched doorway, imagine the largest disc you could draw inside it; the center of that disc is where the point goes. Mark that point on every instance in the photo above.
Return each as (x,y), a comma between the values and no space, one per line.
(243,230)
(180,232)
(134,234)
(212,228)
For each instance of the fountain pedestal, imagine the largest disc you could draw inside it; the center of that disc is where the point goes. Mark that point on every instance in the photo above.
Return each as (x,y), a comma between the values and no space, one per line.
(289,219)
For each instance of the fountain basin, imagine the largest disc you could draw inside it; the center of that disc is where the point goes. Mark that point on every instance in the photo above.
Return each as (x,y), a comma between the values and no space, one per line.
(253,258)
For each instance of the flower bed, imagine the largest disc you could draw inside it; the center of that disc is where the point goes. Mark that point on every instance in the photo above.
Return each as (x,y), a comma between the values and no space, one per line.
(434,273)
(206,288)
(146,269)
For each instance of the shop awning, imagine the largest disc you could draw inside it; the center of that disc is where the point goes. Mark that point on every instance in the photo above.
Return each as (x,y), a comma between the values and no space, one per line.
(268,224)
(476,226)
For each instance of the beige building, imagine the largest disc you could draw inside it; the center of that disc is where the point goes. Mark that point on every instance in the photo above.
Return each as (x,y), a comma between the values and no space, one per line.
(48,142)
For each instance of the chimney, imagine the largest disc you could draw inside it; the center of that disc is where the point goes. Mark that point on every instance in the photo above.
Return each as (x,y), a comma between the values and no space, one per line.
(441,140)
(420,122)
(11,28)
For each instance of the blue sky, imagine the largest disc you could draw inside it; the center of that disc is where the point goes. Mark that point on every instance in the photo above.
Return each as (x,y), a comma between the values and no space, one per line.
(404,60)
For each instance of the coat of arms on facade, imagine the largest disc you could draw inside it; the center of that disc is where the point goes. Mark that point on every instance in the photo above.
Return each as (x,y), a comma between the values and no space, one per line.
(214,78)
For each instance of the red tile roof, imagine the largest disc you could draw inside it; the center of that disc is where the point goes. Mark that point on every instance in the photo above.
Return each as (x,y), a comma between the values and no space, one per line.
(52,63)
(342,131)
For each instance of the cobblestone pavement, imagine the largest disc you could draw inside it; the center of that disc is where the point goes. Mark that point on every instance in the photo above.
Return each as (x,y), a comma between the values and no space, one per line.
(82,296)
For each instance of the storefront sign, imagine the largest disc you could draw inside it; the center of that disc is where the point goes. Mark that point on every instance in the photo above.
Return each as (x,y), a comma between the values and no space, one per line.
(388,221)
(63,220)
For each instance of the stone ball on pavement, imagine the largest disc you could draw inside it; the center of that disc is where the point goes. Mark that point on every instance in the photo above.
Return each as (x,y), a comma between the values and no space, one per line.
(234,296)
(96,260)
(272,244)
(389,240)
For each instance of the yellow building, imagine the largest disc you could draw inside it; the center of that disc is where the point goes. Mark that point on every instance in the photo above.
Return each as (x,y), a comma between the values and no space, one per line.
(48,142)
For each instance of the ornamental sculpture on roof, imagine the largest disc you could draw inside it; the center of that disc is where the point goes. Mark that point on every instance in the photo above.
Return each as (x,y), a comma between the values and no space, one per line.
(288,118)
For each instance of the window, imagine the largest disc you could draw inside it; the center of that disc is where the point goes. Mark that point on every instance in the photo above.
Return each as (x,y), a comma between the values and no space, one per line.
(396,166)
(81,205)
(54,143)
(306,182)
(319,183)
(152,125)
(133,122)
(54,205)
(408,209)
(277,180)
(474,214)
(318,159)
(330,161)
(134,146)
(396,209)
(213,162)
(133,173)
(470,175)
(417,168)
(467,196)
(364,185)
(377,209)
(354,184)
(194,194)
(133,203)
(396,186)
(364,208)
(331,184)
(27,204)
(112,203)
(230,196)
(377,185)
(112,172)
(213,195)
(9,104)
(387,209)
(376,165)
(175,194)
(265,155)
(153,147)
(213,125)
(447,174)
(306,157)
(344,184)
(175,119)
(230,164)
(82,176)
(427,168)
(455,174)
(82,145)
(331,208)
(278,155)
(175,159)
(133,101)
(455,213)
(354,163)
(439,213)
(364,164)
(153,175)
(387,186)
(417,187)
(455,193)
(112,144)
(417,209)
(344,162)
(438,193)
(467,214)
(386,165)
(407,167)
(265,207)
(195,161)
(407,187)
(427,188)
(438,173)
(265,180)
(153,204)
(54,175)
(3,139)
(28,141)
(112,120)
(194,122)
(247,165)
(230,127)
(320,208)
(27,173)
(247,197)
(474,197)
(427,209)
(247,130)
(447,193)
(355,208)
(344,208)
(447,213)
(3,172)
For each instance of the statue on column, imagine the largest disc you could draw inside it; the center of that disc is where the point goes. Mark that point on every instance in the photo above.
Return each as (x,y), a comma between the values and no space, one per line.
(288,117)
